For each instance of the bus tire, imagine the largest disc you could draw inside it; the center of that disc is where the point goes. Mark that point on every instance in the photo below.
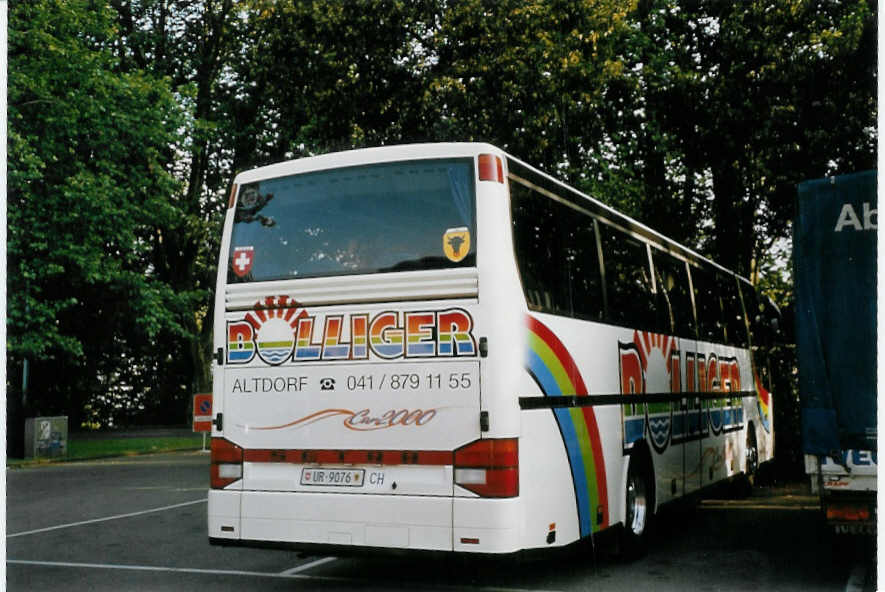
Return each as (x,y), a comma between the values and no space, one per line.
(639,506)
(752,454)
(741,486)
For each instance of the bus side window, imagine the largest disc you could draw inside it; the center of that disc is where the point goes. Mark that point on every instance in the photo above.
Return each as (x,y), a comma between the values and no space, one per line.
(751,309)
(763,315)
(709,309)
(583,262)
(537,238)
(674,297)
(762,332)
(628,281)
(733,313)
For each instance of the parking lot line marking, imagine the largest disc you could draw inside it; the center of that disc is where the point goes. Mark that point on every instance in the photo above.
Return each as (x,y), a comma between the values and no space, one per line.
(106,518)
(163,488)
(145,568)
(307,566)
(260,574)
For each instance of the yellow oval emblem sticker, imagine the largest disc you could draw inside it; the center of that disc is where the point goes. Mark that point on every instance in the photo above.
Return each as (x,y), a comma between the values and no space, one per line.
(456,243)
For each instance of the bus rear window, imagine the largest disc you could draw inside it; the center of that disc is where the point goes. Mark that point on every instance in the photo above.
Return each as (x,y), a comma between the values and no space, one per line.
(388,217)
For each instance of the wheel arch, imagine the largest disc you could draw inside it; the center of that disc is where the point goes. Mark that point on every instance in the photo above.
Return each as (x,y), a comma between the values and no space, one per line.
(641,453)
(633,543)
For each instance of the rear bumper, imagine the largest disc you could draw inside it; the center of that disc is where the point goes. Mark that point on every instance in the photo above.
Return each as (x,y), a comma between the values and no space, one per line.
(331,520)
(851,512)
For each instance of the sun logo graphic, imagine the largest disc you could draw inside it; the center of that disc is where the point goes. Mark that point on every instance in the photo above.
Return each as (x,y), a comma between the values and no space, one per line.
(649,365)
(268,331)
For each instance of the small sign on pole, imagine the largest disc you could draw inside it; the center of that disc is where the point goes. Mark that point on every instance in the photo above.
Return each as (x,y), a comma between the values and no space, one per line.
(203,412)
(203,415)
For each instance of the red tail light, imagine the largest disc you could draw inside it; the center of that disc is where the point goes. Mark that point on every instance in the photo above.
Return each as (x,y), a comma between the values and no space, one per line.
(227,463)
(848,512)
(490,168)
(489,468)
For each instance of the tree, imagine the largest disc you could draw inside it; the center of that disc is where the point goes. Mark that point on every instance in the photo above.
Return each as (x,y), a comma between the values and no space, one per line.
(89,185)
(322,76)
(749,99)
(192,44)
(800,104)
(528,76)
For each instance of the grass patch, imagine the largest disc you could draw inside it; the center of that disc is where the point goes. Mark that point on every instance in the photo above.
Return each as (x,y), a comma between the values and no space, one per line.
(131,446)
(101,448)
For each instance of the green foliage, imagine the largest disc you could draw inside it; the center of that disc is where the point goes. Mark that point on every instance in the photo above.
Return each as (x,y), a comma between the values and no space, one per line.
(698,119)
(89,187)
(776,275)
(323,76)
(800,105)
(529,76)
(105,447)
(725,107)
(109,446)
(768,94)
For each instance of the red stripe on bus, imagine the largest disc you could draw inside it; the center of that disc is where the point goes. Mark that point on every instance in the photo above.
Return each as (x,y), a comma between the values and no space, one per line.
(350,457)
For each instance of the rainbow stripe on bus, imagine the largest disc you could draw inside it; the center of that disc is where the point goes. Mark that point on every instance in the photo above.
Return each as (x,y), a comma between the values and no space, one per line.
(554,370)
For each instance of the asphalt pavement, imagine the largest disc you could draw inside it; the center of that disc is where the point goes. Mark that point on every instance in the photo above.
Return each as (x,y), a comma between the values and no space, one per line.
(139,523)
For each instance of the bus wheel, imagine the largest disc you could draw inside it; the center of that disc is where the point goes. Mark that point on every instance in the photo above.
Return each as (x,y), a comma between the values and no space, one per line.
(752,454)
(639,508)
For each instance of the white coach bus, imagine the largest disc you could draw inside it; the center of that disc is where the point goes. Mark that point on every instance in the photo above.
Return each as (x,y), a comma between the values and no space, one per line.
(439,347)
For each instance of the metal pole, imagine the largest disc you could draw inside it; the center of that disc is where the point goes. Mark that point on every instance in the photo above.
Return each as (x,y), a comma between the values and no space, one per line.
(24,383)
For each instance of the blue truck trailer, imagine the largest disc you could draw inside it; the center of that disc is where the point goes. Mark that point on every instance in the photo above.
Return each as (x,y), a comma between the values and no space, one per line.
(834,251)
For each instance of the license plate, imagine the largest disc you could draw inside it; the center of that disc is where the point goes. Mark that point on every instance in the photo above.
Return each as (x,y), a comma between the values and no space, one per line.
(333,477)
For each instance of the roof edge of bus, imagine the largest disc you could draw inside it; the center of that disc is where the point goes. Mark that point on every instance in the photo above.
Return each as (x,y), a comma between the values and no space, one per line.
(360,156)
(398,152)
(622,217)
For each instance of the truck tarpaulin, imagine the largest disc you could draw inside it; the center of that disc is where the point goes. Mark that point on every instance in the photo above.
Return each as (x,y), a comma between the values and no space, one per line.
(835,274)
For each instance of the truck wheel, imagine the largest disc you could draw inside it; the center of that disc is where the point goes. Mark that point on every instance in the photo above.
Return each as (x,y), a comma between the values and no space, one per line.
(639,508)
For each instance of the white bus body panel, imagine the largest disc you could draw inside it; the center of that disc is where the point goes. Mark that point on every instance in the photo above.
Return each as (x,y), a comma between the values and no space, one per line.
(341,519)
(545,486)
(288,407)
(285,407)
(405,522)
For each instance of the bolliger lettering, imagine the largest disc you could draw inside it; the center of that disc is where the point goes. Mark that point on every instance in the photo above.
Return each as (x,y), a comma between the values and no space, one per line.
(388,335)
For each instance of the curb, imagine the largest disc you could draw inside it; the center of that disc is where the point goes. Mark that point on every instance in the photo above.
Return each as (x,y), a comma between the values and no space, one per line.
(40,462)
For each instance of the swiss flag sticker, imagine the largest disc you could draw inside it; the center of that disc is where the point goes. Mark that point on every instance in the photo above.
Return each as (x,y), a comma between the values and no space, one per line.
(242,260)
